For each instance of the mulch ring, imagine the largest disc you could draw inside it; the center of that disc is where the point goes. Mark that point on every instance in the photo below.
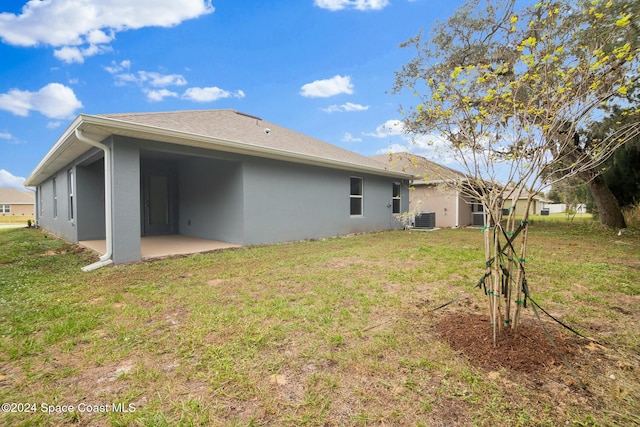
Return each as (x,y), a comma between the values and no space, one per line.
(526,350)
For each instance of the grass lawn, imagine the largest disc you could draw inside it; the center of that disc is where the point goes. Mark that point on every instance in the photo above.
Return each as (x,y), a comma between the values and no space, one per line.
(16,219)
(562,218)
(331,332)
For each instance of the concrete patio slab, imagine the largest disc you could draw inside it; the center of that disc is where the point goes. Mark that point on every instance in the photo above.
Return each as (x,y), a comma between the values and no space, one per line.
(162,246)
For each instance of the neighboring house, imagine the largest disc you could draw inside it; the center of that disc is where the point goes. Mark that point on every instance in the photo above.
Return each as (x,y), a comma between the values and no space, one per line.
(556,208)
(214,174)
(432,192)
(16,202)
(538,203)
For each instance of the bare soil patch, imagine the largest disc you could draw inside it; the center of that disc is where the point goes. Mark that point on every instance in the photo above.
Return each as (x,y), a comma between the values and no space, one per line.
(526,350)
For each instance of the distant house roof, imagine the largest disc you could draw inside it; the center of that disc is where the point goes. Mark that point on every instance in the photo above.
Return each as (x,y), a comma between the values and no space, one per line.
(424,171)
(524,195)
(12,196)
(222,130)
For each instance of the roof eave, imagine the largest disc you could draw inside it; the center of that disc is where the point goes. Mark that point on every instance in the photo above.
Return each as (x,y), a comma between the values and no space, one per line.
(36,176)
(231,146)
(109,126)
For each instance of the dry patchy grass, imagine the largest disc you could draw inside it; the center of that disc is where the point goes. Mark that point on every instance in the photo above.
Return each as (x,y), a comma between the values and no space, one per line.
(332,332)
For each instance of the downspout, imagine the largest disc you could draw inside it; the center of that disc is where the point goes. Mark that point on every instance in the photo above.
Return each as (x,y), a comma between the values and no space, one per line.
(106,258)
(457,208)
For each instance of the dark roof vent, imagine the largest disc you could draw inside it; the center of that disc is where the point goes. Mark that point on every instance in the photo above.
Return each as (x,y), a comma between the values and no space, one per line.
(248,115)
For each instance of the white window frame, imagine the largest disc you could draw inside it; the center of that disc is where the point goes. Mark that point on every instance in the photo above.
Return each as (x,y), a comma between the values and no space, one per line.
(396,198)
(4,208)
(55,198)
(353,197)
(40,205)
(70,188)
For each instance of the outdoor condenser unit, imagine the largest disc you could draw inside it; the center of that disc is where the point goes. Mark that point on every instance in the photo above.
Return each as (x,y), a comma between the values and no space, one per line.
(425,220)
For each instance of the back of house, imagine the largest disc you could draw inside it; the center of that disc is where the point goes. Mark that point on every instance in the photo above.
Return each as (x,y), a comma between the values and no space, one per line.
(212,174)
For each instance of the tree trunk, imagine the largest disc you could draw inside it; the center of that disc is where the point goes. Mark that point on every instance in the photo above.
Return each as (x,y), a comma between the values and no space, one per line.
(607,204)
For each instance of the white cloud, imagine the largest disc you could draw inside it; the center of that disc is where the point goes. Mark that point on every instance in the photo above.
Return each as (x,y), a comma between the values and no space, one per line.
(154,85)
(350,138)
(349,106)
(7,179)
(69,55)
(10,138)
(161,80)
(124,78)
(209,94)
(429,146)
(159,95)
(388,128)
(87,25)
(53,125)
(100,37)
(150,78)
(54,100)
(355,4)
(329,87)
(395,148)
(115,67)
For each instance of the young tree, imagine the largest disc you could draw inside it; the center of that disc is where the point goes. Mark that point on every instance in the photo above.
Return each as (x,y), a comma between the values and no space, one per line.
(509,91)
(572,192)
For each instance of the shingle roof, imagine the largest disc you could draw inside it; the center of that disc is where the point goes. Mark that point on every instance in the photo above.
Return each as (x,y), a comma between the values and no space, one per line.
(424,171)
(244,129)
(223,130)
(12,196)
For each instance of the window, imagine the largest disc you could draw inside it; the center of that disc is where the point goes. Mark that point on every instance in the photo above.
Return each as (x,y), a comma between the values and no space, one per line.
(40,205)
(395,200)
(356,196)
(70,190)
(55,199)
(476,207)
(5,208)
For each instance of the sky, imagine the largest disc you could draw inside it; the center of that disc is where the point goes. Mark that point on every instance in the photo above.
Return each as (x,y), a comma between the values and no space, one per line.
(324,68)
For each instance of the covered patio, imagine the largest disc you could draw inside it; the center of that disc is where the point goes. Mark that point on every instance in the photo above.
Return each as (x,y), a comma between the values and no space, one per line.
(166,245)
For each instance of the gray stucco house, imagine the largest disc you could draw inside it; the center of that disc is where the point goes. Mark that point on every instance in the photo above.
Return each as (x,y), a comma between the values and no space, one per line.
(212,174)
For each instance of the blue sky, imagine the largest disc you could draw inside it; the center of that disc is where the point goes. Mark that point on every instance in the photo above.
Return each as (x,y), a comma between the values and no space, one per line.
(321,67)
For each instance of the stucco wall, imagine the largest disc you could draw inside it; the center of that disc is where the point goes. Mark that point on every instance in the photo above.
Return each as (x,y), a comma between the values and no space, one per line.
(221,196)
(250,200)
(210,199)
(90,201)
(442,201)
(19,210)
(58,223)
(534,208)
(285,202)
(126,200)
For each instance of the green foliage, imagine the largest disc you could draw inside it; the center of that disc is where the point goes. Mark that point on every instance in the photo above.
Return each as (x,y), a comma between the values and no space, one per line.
(509,93)
(500,84)
(572,192)
(623,175)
